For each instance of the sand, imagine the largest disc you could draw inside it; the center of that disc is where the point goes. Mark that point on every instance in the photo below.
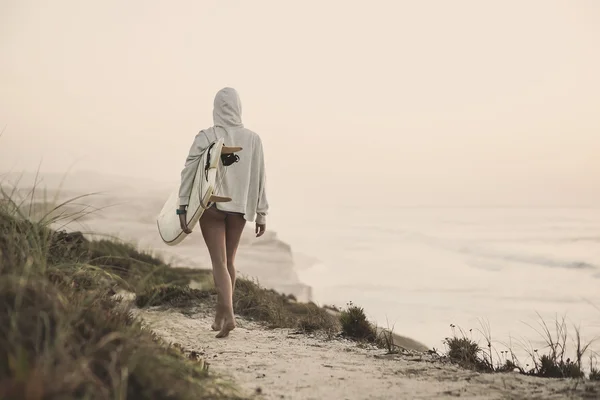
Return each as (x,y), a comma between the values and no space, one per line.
(283,364)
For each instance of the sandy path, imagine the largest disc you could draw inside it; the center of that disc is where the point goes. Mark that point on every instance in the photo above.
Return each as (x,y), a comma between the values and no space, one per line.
(281,365)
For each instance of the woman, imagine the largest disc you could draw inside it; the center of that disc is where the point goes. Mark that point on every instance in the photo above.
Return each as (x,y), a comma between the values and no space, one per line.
(222,223)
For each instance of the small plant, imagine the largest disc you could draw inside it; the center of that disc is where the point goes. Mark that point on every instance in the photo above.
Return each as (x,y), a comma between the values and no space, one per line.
(594,371)
(508,361)
(508,366)
(465,352)
(554,364)
(487,353)
(355,324)
(552,368)
(385,340)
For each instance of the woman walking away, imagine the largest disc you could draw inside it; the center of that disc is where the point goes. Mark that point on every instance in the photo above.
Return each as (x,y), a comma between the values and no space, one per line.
(222,223)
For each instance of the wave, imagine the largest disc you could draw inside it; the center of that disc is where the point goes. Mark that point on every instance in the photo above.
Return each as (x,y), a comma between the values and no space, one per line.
(476,248)
(593,239)
(530,259)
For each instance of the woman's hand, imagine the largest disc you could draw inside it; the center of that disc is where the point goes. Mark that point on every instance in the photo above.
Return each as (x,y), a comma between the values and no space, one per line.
(183,223)
(260,229)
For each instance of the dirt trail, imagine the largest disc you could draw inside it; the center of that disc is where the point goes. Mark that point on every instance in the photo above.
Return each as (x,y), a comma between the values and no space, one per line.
(278,364)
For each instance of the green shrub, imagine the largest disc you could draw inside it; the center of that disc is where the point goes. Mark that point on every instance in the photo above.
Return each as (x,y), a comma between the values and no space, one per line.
(355,324)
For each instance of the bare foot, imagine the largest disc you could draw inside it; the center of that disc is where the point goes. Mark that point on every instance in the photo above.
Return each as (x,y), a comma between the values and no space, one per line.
(216,326)
(228,326)
(219,317)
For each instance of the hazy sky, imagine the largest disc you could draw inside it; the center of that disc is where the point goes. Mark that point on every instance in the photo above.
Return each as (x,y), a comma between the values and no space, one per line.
(447,102)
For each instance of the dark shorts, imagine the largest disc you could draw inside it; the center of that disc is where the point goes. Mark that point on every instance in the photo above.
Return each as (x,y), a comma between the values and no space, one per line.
(214,207)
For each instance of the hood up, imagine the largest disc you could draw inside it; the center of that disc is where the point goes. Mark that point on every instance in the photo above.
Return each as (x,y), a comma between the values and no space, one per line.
(227,110)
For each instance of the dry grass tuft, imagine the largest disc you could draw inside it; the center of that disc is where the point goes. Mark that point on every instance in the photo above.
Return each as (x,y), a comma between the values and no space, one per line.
(63,335)
(554,363)
(280,311)
(172,296)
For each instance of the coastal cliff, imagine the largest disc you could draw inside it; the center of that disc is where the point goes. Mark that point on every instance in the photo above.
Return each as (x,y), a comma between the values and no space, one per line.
(127,209)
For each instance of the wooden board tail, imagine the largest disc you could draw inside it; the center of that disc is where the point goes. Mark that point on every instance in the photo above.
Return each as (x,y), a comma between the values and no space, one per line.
(219,199)
(230,149)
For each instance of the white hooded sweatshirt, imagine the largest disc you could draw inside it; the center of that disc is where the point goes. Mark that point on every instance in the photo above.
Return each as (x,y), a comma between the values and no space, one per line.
(245,180)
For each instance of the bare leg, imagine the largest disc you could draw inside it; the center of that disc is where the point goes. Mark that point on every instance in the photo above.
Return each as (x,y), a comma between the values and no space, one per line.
(234,226)
(212,225)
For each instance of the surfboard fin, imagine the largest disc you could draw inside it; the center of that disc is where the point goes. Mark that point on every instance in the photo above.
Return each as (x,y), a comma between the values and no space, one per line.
(219,199)
(230,149)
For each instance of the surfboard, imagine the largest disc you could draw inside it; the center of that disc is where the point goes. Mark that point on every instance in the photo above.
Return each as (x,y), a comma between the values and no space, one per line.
(202,195)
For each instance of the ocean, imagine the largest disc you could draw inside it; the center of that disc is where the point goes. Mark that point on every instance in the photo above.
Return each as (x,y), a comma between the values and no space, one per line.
(420,270)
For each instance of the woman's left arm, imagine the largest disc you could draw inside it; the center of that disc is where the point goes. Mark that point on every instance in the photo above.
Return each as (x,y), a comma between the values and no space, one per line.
(262,207)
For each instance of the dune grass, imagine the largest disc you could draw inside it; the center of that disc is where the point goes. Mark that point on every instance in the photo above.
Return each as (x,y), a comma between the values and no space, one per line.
(171,296)
(62,333)
(552,362)
(463,350)
(251,301)
(280,311)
